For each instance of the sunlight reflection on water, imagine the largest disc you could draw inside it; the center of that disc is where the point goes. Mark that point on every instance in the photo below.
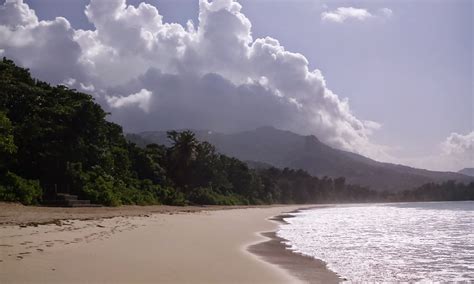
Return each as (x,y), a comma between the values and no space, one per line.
(431,241)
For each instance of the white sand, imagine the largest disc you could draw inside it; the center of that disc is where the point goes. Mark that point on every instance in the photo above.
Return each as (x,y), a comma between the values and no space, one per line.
(202,247)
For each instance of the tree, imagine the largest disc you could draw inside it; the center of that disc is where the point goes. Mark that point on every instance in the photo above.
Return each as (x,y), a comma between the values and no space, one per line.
(53,138)
(7,145)
(181,154)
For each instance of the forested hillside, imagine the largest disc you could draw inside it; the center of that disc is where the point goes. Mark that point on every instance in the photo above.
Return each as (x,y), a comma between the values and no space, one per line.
(57,140)
(282,149)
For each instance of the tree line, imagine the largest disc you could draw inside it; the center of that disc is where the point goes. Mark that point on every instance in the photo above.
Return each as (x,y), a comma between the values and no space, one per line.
(55,139)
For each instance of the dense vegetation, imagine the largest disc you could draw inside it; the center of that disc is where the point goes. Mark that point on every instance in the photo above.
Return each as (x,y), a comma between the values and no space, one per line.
(54,139)
(446,191)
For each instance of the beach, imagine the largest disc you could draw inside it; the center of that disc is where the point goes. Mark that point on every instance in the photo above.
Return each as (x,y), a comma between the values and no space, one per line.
(147,245)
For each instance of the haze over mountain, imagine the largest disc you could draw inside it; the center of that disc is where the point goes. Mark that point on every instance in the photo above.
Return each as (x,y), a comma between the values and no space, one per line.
(281,149)
(467,171)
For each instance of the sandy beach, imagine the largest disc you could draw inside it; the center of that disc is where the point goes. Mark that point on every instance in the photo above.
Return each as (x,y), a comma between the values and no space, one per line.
(169,246)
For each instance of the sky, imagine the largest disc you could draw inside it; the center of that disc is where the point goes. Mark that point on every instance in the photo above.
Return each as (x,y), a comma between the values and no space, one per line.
(392,80)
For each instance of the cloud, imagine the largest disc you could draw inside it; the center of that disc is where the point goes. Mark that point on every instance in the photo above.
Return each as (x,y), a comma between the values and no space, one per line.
(458,144)
(386,12)
(341,14)
(46,47)
(141,99)
(17,14)
(455,153)
(211,75)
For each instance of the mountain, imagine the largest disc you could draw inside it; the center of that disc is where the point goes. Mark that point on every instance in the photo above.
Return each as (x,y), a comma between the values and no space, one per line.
(281,149)
(467,172)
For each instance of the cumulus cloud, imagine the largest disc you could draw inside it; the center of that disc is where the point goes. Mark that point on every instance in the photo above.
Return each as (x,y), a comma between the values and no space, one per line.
(213,74)
(17,14)
(458,151)
(458,144)
(141,99)
(455,153)
(46,47)
(341,14)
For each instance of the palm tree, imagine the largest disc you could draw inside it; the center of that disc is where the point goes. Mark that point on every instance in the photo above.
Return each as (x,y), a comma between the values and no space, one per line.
(181,154)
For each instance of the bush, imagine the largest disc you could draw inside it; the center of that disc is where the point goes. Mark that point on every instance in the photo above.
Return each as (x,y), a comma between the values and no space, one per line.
(139,192)
(107,190)
(206,196)
(170,196)
(202,195)
(100,189)
(14,188)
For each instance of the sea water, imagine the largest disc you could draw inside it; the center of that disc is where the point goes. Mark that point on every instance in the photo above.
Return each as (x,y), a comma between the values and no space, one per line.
(419,242)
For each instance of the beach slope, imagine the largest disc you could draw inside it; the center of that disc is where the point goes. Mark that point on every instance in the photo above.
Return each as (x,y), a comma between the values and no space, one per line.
(198,247)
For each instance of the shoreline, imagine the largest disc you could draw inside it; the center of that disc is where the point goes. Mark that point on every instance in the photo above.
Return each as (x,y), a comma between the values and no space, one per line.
(196,247)
(54,232)
(305,268)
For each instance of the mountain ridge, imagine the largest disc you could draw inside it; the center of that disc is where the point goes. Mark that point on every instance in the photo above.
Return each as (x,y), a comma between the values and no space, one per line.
(467,171)
(282,148)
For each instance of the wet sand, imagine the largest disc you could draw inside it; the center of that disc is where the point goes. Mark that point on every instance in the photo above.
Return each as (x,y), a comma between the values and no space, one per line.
(275,251)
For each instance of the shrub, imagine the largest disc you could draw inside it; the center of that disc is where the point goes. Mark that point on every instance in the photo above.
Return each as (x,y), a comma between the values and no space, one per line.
(100,189)
(14,188)
(139,193)
(170,196)
(107,190)
(206,196)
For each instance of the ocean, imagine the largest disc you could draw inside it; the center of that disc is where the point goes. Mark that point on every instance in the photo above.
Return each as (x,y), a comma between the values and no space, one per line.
(416,242)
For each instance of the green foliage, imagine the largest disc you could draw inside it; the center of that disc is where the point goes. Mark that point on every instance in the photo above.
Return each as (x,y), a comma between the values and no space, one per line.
(180,157)
(207,196)
(17,189)
(171,196)
(58,140)
(61,138)
(446,191)
(7,145)
(102,189)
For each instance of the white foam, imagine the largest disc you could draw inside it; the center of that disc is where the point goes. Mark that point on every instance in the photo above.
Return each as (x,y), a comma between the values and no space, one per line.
(390,242)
